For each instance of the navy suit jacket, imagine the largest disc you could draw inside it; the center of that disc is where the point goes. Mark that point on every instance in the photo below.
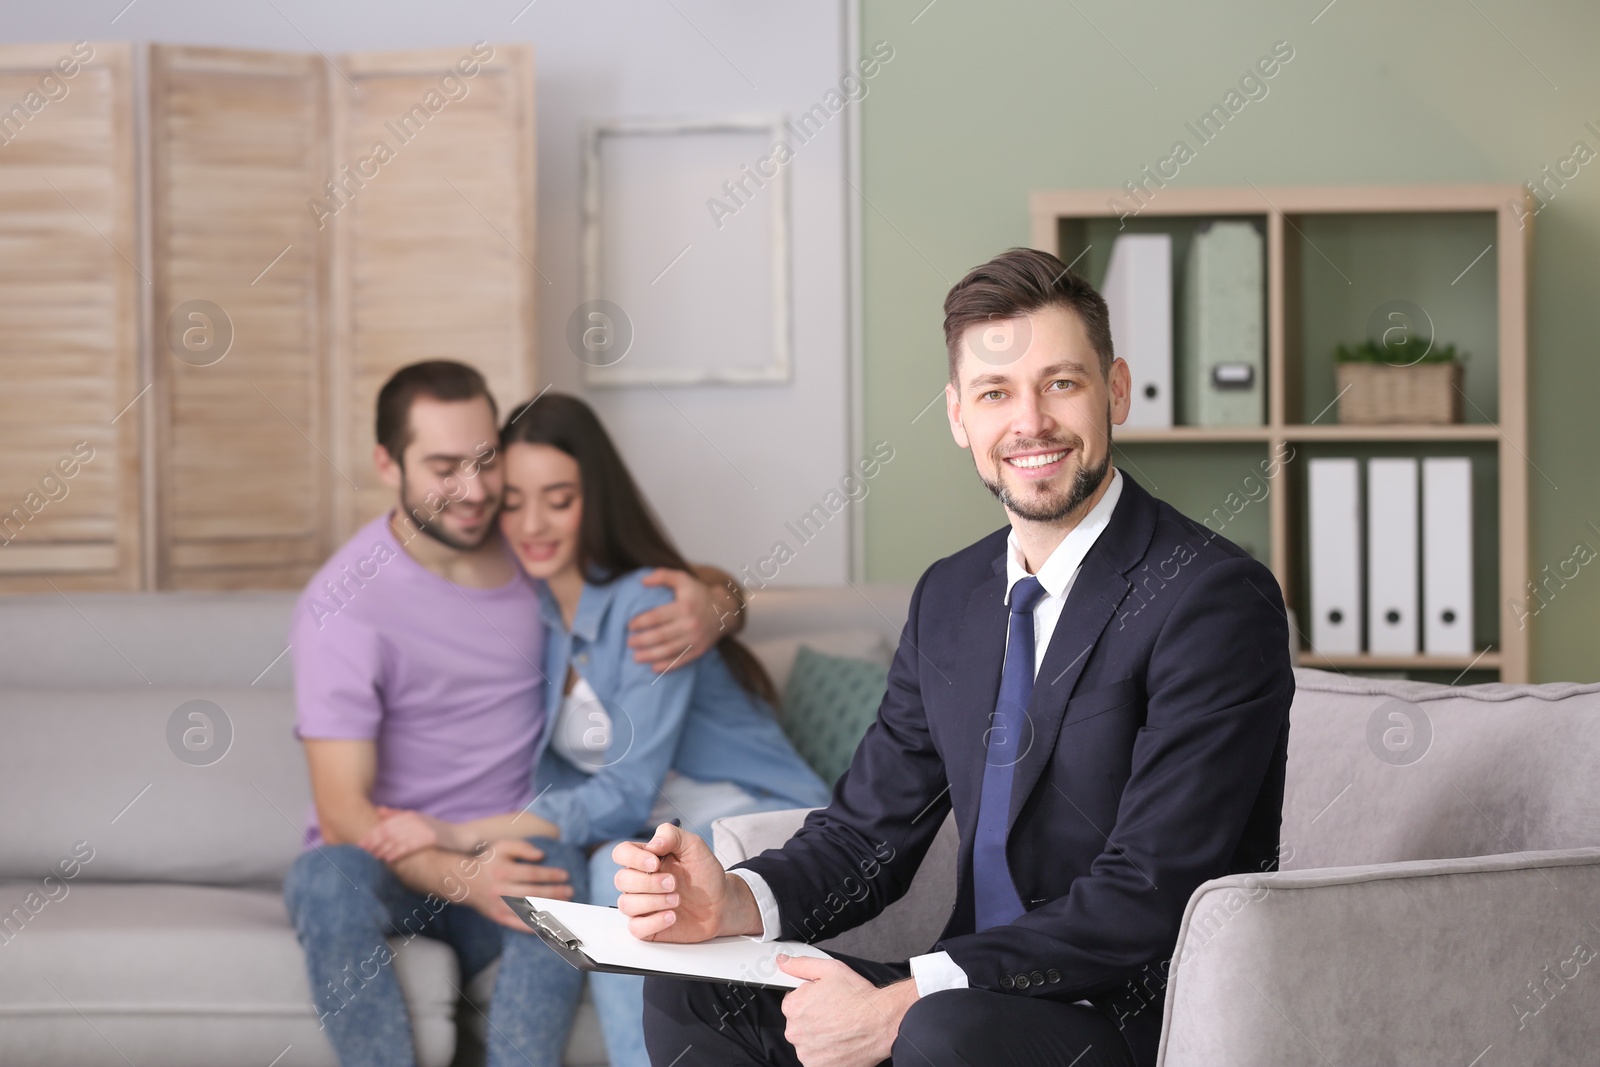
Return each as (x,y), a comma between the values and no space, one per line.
(1153,759)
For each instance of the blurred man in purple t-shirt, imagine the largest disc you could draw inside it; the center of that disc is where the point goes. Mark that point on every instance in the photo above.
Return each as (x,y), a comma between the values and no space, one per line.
(416,651)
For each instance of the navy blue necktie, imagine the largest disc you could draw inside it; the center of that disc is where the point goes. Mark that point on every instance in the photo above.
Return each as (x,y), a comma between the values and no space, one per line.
(995,900)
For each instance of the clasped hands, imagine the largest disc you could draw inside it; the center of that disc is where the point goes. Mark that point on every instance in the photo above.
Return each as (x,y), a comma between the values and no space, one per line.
(472,869)
(674,889)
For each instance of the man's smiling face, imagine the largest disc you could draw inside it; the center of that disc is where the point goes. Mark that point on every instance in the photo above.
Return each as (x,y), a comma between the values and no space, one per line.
(1036,411)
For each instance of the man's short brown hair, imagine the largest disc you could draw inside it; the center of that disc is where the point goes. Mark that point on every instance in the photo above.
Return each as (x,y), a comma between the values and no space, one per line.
(1019,281)
(438,379)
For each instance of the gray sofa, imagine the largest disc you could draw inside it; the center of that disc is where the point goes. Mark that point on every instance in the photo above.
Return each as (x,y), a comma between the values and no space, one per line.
(1430,908)
(141,916)
(1439,902)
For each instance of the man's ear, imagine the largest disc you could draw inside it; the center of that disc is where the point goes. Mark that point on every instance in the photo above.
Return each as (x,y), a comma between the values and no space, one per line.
(952,410)
(388,469)
(1121,386)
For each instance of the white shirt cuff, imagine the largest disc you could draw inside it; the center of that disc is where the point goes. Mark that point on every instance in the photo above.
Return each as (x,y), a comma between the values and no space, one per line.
(932,972)
(766,903)
(935,971)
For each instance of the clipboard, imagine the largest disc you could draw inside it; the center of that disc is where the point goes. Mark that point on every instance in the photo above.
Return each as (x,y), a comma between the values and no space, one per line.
(594,938)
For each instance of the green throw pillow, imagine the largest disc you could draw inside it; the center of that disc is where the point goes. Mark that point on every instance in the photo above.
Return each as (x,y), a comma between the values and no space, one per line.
(827,706)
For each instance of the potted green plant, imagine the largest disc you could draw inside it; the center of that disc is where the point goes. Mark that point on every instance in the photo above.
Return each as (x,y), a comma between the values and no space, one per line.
(1401,382)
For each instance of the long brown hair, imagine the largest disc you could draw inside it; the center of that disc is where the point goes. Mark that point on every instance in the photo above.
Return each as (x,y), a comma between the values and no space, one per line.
(618,531)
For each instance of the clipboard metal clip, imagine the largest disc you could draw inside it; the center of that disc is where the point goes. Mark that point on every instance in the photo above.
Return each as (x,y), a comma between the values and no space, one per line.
(548,925)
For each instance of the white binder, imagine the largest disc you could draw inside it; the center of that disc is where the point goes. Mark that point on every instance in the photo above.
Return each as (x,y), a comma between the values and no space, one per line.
(1335,536)
(1447,555)
(1392,557)
(1138,295)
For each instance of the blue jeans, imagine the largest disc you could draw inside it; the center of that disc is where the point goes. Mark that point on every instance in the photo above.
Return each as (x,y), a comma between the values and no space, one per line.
(344,903)
(619,998)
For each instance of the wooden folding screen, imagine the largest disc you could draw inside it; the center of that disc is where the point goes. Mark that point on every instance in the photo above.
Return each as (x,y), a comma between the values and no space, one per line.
(311,225)
(70,286)
(433,217)
(238,152)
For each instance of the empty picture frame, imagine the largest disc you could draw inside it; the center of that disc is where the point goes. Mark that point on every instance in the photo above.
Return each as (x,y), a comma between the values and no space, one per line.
(685,253)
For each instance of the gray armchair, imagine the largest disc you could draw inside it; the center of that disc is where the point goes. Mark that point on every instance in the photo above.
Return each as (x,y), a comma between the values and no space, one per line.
(1438,902)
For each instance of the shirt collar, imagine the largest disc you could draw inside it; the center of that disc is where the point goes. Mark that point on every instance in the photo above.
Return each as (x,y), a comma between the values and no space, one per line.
(1068,555)
(592,607)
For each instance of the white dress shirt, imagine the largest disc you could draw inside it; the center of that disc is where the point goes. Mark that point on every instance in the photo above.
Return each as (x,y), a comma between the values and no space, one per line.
(936,970)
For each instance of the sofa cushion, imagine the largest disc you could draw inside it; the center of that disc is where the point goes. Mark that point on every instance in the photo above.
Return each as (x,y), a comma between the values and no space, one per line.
(99,766)
(140,639)
(1382,771)
(780,654)
(238,638)
(113,971)
(828,705)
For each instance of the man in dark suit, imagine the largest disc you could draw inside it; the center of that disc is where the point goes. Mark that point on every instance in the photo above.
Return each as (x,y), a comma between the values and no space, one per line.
(1100,692)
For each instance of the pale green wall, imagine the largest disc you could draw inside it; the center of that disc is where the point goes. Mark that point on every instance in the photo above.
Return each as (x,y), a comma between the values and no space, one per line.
(985,101)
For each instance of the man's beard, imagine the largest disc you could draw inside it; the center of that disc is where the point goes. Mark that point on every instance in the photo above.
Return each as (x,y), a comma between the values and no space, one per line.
(423,514)
(1059,505)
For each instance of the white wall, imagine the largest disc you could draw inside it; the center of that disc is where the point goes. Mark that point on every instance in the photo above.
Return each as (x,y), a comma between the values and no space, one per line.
(726,467)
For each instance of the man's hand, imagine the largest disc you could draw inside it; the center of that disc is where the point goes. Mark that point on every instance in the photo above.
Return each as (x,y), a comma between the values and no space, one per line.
(508,867)
(838,1018)
(680,632)
(673,889)
(400,833)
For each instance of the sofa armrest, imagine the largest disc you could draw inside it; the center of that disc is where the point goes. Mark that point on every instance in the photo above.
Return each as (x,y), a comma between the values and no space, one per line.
(1434,961)
(904,929)
(738,837)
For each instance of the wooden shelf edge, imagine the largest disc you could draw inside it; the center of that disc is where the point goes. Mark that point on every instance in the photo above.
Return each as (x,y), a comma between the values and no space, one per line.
(1366,660)
(1186,434)
(1267,199)
(1461,431)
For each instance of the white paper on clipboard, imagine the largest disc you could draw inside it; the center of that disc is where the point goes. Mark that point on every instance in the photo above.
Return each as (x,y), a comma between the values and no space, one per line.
(604,937)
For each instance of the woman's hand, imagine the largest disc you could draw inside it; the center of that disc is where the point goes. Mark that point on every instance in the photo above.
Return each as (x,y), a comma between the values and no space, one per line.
(401,833)
(507,867)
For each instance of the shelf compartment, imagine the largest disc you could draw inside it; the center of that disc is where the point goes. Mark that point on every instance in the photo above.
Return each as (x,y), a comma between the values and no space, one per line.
(1085,244)
(1488,616)
(1351,277)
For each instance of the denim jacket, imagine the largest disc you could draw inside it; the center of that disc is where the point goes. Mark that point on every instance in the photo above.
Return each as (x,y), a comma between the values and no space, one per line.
(694,719)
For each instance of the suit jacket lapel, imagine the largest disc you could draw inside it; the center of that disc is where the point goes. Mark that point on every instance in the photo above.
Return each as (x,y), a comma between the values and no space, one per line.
(1099,588)
(981,650)
(1093,599)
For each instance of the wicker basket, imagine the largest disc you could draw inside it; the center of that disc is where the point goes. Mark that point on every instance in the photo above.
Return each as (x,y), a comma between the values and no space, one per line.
(1379,393)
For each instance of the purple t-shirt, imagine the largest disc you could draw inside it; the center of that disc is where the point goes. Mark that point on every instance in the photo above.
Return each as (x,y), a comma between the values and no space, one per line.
(445,678)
